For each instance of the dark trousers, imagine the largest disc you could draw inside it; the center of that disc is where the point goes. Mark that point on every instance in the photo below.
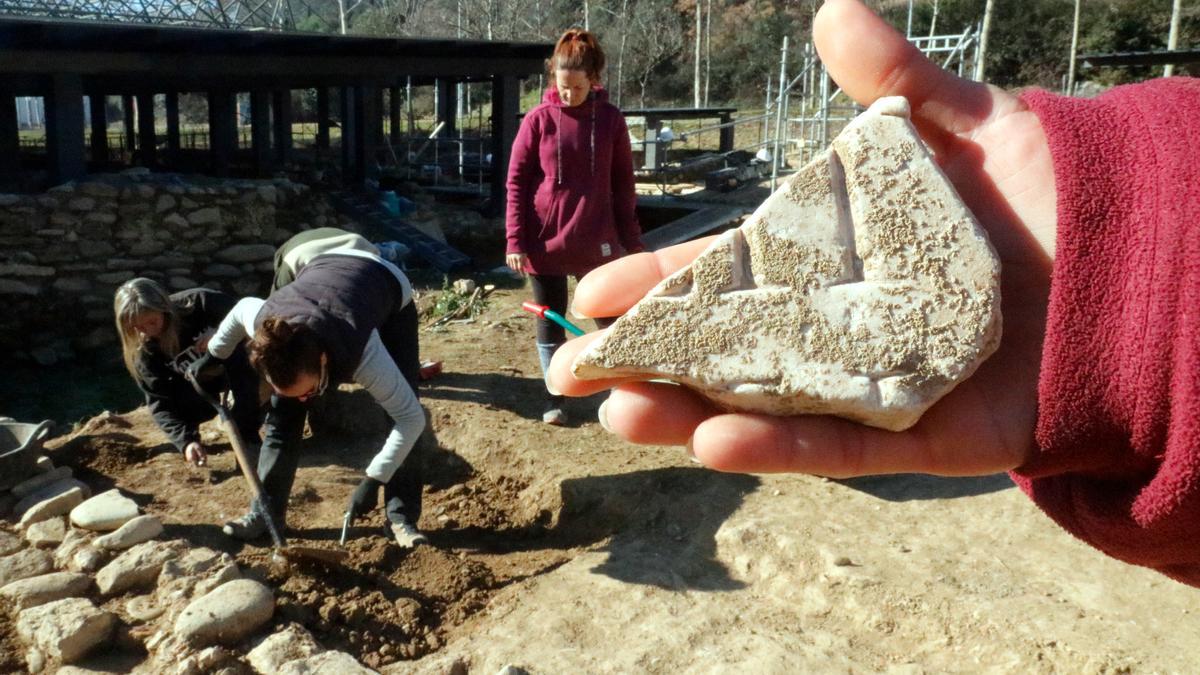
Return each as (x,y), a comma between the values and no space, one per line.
(280,455)
(551,290)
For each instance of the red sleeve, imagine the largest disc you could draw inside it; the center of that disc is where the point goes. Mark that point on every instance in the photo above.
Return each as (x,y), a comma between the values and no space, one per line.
(623,187)
(523,174)
(1118,432)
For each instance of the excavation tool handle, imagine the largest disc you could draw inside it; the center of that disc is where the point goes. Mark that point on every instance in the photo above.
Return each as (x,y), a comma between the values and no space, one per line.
(345,527)
(243,460)
(544,312)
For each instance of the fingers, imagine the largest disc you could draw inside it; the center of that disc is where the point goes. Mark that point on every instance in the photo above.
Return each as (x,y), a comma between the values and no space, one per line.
(564,381)
(870,59)
(636,412)
(612,289)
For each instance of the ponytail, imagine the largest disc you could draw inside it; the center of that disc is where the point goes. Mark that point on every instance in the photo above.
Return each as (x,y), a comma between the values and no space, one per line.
(281,352)
(577,49)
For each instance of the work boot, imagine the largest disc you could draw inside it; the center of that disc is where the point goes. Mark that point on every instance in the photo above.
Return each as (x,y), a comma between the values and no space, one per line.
(406,535)
(554,413)
(246,527)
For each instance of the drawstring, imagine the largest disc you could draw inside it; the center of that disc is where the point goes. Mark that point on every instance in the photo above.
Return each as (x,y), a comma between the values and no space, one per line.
(558,143)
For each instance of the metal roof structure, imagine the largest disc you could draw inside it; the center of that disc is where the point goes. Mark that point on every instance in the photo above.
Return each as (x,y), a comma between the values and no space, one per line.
(65,60)
(270,14)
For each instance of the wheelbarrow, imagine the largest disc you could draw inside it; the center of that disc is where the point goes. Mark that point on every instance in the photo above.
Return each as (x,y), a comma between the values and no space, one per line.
(281,550)
(20,445)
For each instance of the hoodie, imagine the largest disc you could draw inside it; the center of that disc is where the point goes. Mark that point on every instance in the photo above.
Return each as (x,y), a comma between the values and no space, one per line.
(571,200)
(1118,431)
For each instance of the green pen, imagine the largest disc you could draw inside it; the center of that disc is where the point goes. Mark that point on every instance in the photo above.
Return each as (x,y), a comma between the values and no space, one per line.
(544,312)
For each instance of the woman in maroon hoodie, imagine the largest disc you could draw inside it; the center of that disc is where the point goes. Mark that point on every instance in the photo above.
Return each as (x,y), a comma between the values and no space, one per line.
(570,188)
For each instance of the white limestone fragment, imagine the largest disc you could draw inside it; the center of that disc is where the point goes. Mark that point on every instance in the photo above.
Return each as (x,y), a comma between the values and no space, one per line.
(862,288)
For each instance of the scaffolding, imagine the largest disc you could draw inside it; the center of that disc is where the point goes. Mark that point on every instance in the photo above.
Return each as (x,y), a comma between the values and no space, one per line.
(810,109)
(242,14)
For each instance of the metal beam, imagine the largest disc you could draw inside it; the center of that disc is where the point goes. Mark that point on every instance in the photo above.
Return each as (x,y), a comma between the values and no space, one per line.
(147,139)
(99,114)
(260,130)
(281,107)
(222,130)
(506,104)
(10,137)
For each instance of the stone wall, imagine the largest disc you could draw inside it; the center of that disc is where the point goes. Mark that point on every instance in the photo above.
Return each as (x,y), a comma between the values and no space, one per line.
(64,252)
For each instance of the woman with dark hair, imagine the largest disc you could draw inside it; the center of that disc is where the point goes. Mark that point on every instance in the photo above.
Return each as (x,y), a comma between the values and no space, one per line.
(571,192)
(340,314)
(161,336)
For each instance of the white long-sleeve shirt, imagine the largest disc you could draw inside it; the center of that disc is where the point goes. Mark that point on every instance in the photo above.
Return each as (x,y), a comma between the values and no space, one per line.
(376,372)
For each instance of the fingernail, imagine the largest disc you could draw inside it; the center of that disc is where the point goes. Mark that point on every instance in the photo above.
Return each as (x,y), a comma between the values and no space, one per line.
(602,415)
(691,452)
(576,313)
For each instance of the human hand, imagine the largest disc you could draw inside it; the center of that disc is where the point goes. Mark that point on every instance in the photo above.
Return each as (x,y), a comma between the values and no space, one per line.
(516,261)
(194,454)
(202,341)
(994,151)
(365,497)
(196,367)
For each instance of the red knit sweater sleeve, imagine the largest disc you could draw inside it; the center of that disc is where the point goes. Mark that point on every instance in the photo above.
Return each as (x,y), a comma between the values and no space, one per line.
(1118,432)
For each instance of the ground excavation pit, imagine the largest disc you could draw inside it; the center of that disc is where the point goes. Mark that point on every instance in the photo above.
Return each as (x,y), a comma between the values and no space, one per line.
(489,524)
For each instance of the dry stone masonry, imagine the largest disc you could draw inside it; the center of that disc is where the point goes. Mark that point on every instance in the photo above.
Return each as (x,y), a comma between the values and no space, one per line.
(64,252)
(862,288)
(70,592)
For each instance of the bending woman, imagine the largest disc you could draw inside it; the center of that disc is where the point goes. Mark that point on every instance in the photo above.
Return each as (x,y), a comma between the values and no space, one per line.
(161,335)
(341,314)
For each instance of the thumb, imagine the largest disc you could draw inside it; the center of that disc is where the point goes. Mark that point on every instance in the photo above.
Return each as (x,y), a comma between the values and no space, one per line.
(869,59)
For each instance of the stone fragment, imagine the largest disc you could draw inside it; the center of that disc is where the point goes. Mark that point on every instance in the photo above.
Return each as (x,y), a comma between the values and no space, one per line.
(290,644)
(144,608)
(142,528)
(48,533)
(32,485)
(58,505)
(244,253)
(44,464)
(104,512)
(54,489)
(326,663)
(136,567)
(34,591)
(65,630)
(9,543)
(206,216)
(862,288)
(87,559)
(226,615)
(23,564)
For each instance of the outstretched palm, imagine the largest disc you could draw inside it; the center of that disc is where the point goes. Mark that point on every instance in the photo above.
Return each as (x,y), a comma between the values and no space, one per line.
(994,151)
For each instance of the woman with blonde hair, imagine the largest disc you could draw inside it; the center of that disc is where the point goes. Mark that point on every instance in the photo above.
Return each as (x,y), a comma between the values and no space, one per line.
(161,336)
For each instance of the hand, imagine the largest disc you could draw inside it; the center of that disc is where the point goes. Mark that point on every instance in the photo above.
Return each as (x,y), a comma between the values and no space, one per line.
(194,454)
(365,497)
(196,367)
(994,151)
(202,341)
(516,262)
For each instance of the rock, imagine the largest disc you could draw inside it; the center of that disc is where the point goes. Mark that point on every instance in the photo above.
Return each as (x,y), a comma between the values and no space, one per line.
(87,559)
(222,271)
(65,630)
(71,543)
(244,253)
(206,216)
(165,203)
(104,512)
(48,533)
(326,663)
(98,189)
(35,660)
(290,644)
(54,489)
(512,670)
(58,505)
(34,591)
(9,543)
(464,286)
(81,204)
(136,567)
(862,288)
(13,287)
(30,562)
(226,615)
(142,528)
(144,608)
(32,485)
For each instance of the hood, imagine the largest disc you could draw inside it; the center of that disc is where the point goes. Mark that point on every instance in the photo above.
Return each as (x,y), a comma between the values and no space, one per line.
(550,96)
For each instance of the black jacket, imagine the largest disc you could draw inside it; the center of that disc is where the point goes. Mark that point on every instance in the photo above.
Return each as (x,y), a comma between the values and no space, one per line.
(174,404)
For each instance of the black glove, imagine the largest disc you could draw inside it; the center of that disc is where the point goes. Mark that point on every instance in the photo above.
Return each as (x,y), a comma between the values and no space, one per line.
(196,367)
(365,497)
